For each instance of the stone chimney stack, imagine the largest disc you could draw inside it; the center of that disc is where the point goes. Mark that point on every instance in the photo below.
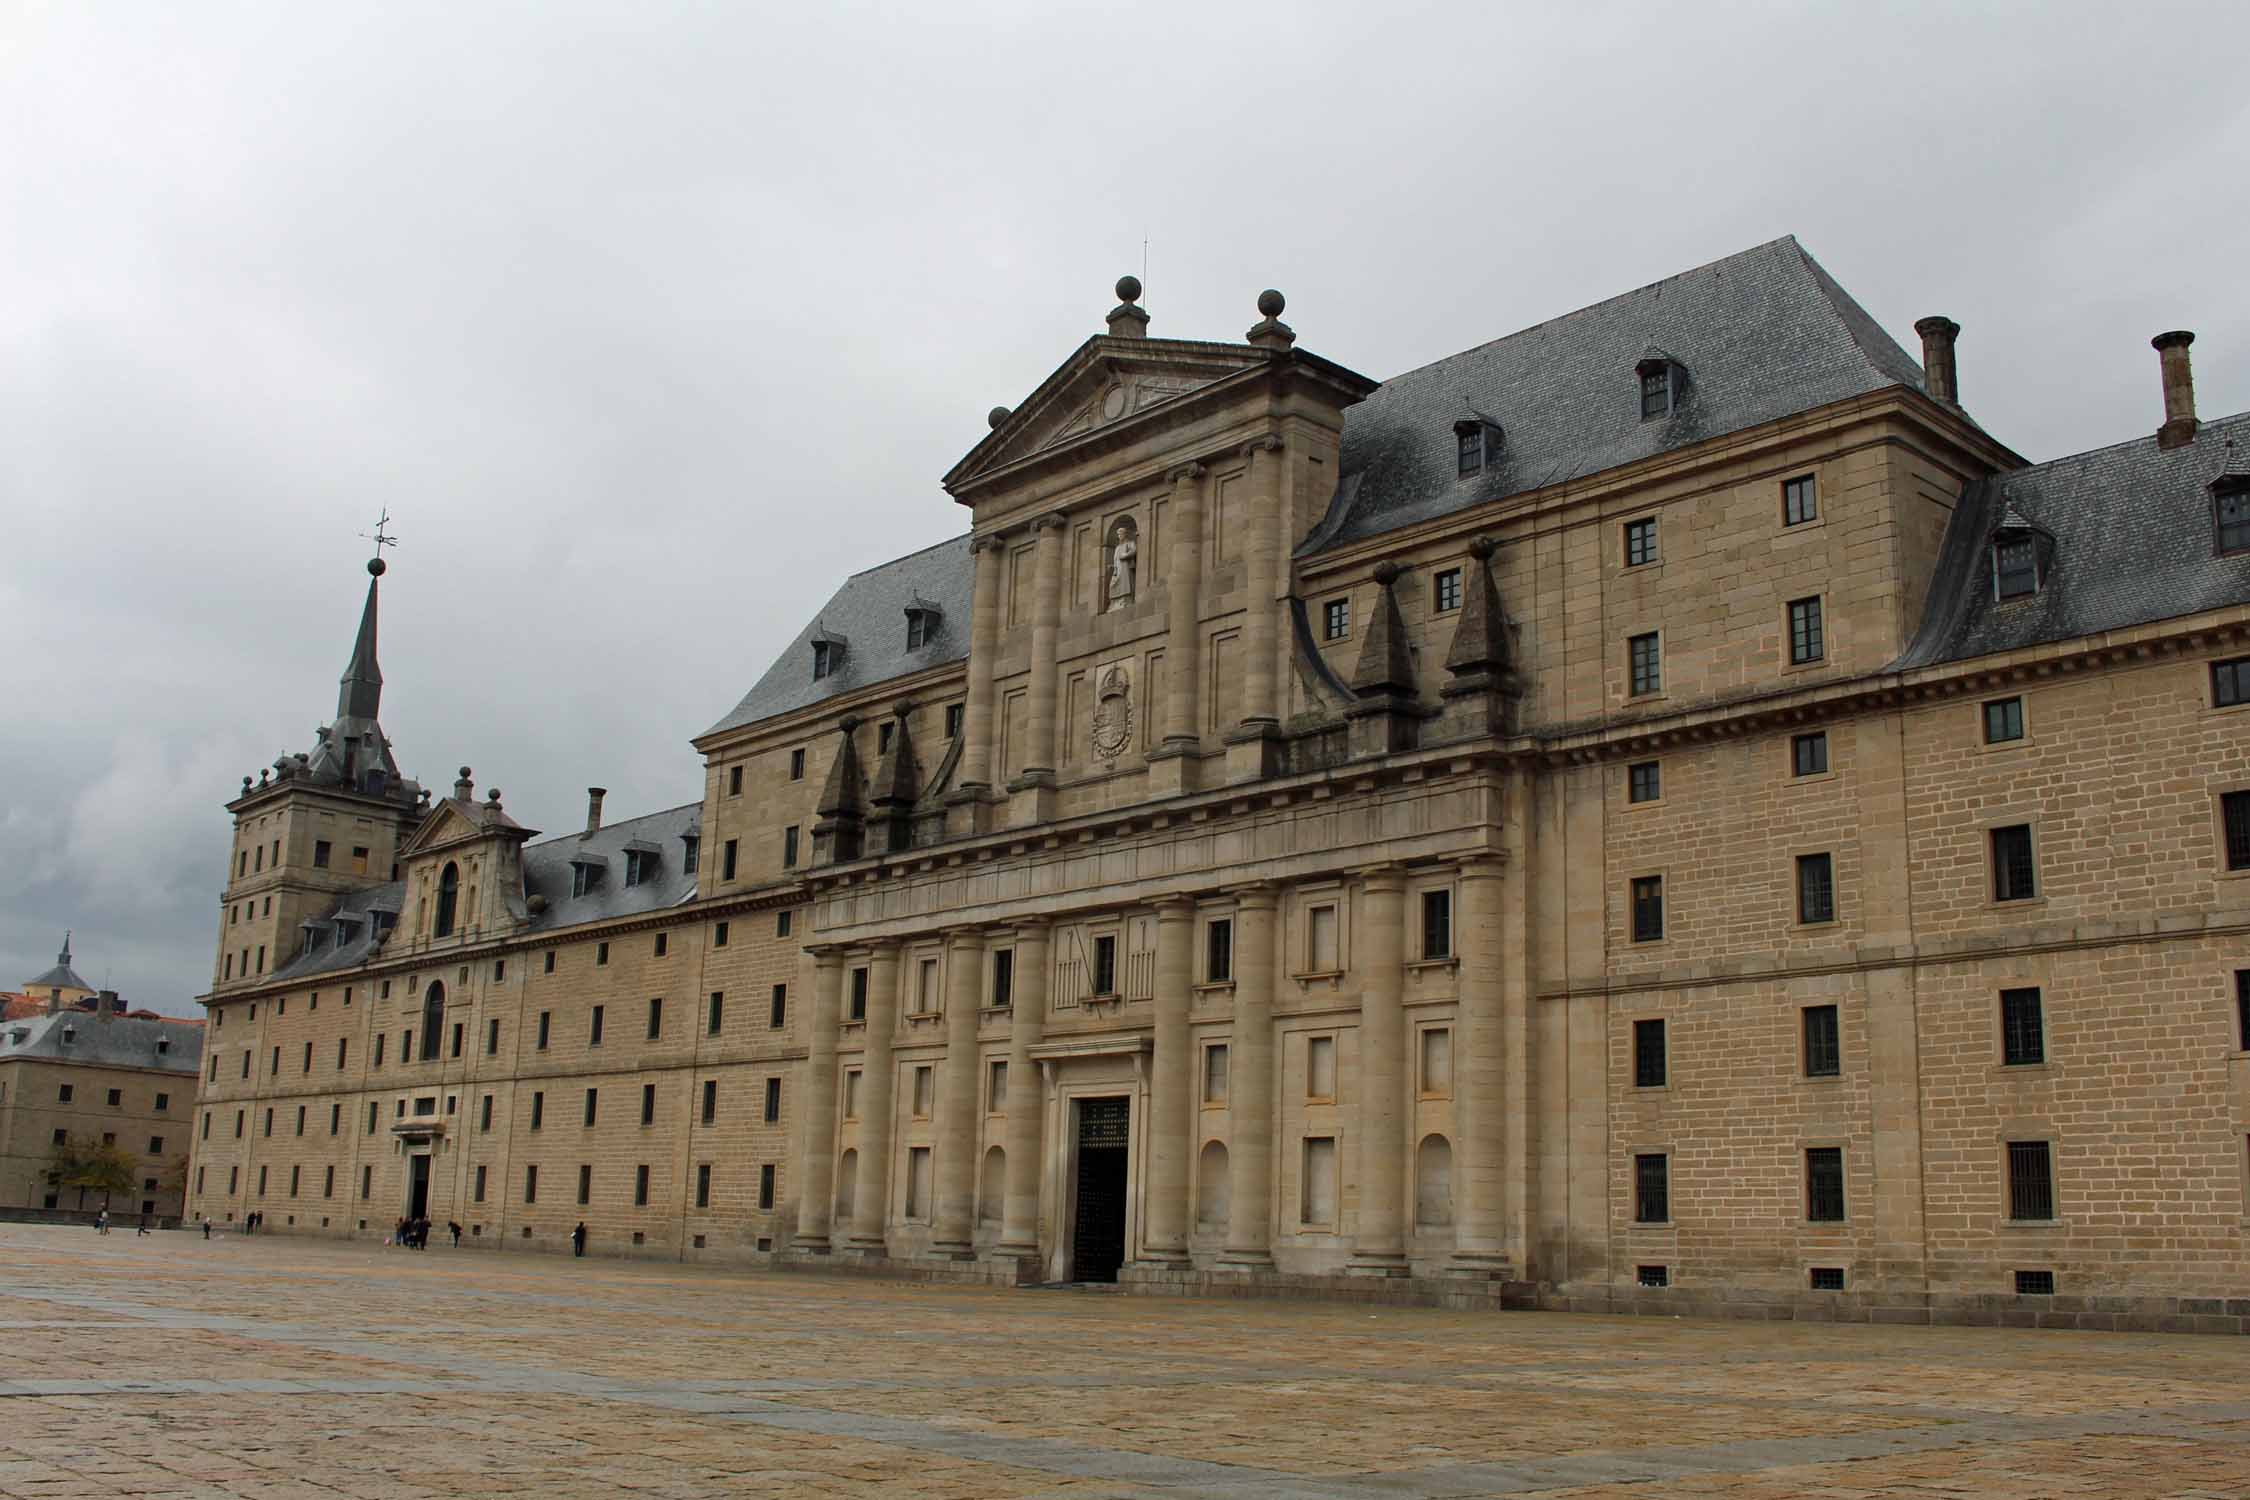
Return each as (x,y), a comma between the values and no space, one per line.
(1127,321)
(594,795)
(1939,376)
(2179,389)
(107,1005)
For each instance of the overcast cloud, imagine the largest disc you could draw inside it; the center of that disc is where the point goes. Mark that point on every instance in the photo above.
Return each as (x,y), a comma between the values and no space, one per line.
(648,322)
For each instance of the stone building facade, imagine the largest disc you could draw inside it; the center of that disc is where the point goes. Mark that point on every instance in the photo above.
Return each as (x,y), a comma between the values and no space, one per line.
(1658,809)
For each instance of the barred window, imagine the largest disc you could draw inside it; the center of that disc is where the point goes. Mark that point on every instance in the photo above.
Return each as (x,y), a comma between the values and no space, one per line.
(2234,813)
(1827,1278)
(1652,1189)
(1653,1275)
(1648,908)
(1644,782)
(1645,664)
(2035,1283)
(1799,501)
(1824,1052)
(2241,1008)
(2003,721)
(1640,542)
(2031,1180)
(2023,1031)
(1807,642)
(2013,875)
(1824,1184)
(1808,754)
(1816,888)
(1648,1053)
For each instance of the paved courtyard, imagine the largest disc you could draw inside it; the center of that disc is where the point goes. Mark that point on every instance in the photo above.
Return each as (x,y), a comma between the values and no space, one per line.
(278,1367)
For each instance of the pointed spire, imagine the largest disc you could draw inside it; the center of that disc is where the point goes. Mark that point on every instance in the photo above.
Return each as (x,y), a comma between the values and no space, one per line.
(1386,666)
(843,813)
(361,694)
(64,958)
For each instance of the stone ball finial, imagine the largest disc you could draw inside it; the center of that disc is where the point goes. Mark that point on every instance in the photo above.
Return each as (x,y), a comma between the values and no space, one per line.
(246,783)
(1128,288)
(1387,573)
(902,707)
(493,796)
(849,723)
(376,568)
(1270,303)
(997,415)
(465,773)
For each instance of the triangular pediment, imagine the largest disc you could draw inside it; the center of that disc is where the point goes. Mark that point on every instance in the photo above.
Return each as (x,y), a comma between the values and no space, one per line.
(446,824)
(1106,383)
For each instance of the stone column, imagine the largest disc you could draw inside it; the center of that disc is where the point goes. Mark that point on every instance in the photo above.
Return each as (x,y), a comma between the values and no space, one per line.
(1046,620)
(984,645)
(953,1235)
(871,1192)
(1250,1082)
(1184,588)
(1479,1145)
(1019,1231)
(1379,1245)
(1169,1101)
(816,1176)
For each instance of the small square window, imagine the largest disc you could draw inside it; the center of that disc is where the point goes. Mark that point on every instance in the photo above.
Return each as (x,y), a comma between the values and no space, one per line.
(1645,665)
(1808,754)
(2023,1032)
(1336,619)
(1807,640)
(1827,1278)
(2013,871)
(2003,721)
(1653,1276)
(1648,908)
(1800,501)
(1640,542)
(1816,888)
(2035,1283)
(1648,1053)
(1644,781)
(1445,591)
(1824,1053)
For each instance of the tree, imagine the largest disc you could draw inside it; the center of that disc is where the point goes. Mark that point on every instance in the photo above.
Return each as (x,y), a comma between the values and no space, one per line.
(88,1164)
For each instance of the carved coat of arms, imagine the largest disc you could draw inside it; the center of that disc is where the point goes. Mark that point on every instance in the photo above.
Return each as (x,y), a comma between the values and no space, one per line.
(1113,715)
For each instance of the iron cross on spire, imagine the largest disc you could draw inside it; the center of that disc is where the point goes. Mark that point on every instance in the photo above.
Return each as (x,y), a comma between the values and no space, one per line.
(381,539)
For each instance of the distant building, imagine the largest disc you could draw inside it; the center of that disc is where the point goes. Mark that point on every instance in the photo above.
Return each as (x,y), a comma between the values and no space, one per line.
(1659,809)
(75,1062)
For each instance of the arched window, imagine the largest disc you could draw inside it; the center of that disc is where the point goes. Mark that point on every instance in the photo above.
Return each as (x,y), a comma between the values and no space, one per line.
(448,896)
(433,1019)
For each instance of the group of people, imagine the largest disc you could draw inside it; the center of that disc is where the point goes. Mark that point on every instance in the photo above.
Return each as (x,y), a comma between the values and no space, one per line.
(101,1224)
(414,1234)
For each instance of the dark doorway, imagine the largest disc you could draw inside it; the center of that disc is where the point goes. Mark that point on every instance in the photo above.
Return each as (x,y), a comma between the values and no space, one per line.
(418,1189)
(1097,1241)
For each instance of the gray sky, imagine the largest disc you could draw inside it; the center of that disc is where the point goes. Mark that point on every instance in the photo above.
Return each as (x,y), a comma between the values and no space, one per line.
(649,322)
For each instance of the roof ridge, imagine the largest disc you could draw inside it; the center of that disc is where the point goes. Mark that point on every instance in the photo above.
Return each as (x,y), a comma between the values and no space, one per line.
(906,556)
(2202,427)
(662,812)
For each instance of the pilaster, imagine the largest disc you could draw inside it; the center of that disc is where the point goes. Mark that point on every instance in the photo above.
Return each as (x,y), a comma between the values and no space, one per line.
(1379,1245)
(1250,1086)
(871,1191)
(953,1235)
(1032,794)
(816,1175)
(1173,764)
(1019,1231)
(965,807)
(1166,1180)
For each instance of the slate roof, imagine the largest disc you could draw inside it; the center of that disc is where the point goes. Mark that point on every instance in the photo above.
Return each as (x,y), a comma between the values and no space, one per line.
(2132,543)
(119,1042)
(869,612)
(1762,335)
(547,872)
(61,977)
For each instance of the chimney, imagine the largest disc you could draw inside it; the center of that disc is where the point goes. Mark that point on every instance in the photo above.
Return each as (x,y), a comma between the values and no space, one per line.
(594,795)
(1939,377)
(108,1005)
(2179,389)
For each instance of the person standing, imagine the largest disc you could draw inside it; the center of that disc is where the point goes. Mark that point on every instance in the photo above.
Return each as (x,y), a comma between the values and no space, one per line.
(456,1233)
(578,1239)
(142,1232)
(207,1226)
(101,1222)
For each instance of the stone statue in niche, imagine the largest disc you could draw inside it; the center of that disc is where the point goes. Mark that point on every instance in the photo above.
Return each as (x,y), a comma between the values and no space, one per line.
(1124,548)
(1113,715)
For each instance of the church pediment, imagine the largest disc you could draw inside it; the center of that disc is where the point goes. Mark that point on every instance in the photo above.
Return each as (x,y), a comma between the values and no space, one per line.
(446,824)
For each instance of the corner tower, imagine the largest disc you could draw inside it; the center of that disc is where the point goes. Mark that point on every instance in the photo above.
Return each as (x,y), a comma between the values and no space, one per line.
(316,824)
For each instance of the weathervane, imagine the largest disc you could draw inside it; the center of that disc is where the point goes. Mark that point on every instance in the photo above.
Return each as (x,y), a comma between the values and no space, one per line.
(381,539)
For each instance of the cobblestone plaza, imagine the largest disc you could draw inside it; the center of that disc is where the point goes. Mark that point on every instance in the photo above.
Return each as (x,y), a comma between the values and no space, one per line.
(172,1366)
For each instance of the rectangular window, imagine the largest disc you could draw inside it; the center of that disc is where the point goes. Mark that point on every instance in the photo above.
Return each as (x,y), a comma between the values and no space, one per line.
(2230,509)
(851,1093)
(1648,1053)
(648,1104)
(1807,641)
(858,1008)
(1648,909)
(734,781)
(1827,1278)
(1656,392)
(922,1080)
(727,853)
(797,765)
(320,854)
(593,1101)
(718,934)
(2230,682)
(1004,978)
(548,963)
(766,1186)
(773,1101)
(789,847)
(663,943)
(1653,1276)
(1445,591)
(640,1187)
(2013,876)
(917,1182)
(710,1100)
(1808,754)
(594,1033)
(370,1119)
(655,1019)
(1215,1074)
(782,923)
(703,1185)
(458,1028)
(1824,1053)
(336,1118)
(2241,1007)
(1816,888)
(1652,1189)
(2015,568)
(716,1014)
(2234,815)
(1105,965)
(926,987)
(538,1108)
(601,954)
(1437,1062)
(1437,924)
(777,1016)
(2031,1180)
(530,1185)
(1336,619)
(484,1113)
(1320,1067)
(1640,542)
(1799,502)
(1317,1198)
(2023,1028)
(1321,953)
(585,1184)
(1645,665)
(546,1023)
(1824,1184)
(1644,781)
(2003,721)
(476,1193)
(1218,951)
(953,721)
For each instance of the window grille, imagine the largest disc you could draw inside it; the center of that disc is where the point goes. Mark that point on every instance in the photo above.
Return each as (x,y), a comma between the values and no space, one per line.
(1824,1054)
(1827,1278)
(2035,1283)
(2031,1181)
(1648,1053)
(2013,875)
(1653,1275)
(2023,1039)
(1824,1184)
(1816,888)
(1652,1189)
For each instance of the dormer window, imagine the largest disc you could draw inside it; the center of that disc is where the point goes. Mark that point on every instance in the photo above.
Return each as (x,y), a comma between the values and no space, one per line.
(69,1035)
(691,851)
(2230,512)
(1477,444)
(922,619)
(640,862)
(823,660)
(1661,384)
(2015,566)
(585,874)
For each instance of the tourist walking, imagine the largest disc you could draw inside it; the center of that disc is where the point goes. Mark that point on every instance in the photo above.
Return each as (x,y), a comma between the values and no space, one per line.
(101,1222)
(578,1239)
(142,1232)
(456,1233)
(207,1226)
